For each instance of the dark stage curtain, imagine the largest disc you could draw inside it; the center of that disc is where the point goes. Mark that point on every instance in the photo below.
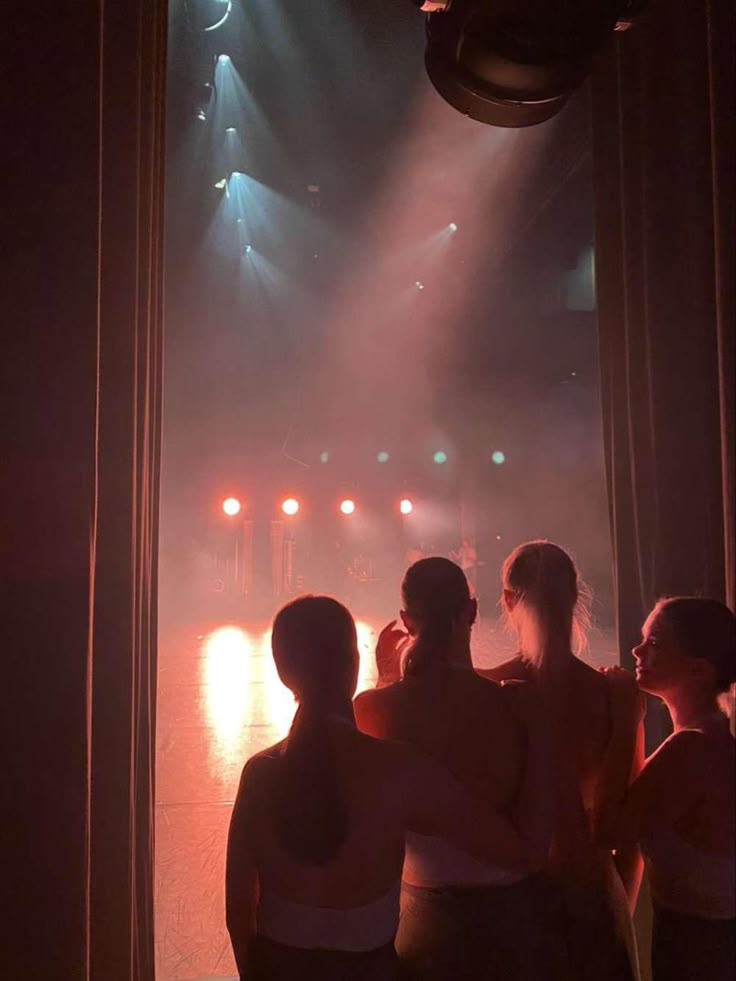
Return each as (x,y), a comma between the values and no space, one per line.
(663,132)
(82,348)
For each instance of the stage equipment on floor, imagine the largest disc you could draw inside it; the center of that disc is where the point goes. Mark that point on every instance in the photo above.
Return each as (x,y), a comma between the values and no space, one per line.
(515,63)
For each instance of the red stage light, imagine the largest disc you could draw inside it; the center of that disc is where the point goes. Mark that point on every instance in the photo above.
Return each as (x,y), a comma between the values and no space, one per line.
(405,506)
(290,506)
(347,506)
(231,506)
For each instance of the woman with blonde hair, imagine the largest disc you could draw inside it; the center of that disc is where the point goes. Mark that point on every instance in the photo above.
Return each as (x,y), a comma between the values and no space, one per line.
(544,601)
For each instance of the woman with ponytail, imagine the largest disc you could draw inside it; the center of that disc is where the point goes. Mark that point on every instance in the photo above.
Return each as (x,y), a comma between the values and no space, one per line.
(316,840)
(464,917)
(544,602)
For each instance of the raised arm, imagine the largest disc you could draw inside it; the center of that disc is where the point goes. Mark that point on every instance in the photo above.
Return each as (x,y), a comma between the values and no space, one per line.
(623,758)
(391,644)
(628,858)
(241,876)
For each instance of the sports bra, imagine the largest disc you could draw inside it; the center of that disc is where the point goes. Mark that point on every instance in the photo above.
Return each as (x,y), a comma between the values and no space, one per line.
(435,862)
(678,869)
(351,928)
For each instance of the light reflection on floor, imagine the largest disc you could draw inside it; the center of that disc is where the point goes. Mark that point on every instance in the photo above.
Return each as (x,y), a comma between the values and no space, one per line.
(219,701)
(227,668)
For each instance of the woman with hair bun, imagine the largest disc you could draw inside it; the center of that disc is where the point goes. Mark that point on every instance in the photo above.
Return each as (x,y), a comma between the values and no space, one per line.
(682,806)
(544,601)
(317,833)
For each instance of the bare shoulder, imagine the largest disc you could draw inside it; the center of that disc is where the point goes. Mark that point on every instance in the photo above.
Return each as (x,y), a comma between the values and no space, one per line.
(684,749)
(487,687)
(371,706)
(386,759)
(488,695)
(260,766)
(396,758)
(514,669)
(591,688)
(372,696)
(586,674)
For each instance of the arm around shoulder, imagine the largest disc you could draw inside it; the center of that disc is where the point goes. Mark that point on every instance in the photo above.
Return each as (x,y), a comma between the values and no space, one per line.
(368,715)
(436,803)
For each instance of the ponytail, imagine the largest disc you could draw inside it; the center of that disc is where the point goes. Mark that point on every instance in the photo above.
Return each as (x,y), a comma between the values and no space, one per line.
(430,649)
(309,809)
(315,649)
(435,594)
(552,609)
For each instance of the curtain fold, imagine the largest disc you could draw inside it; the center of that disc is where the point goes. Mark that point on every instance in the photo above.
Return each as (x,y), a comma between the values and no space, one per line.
(664,163)
(122,692)
(81,390)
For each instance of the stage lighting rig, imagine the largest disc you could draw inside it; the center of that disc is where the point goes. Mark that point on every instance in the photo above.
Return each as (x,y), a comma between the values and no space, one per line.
(515,63)
(231,506)
(207,15)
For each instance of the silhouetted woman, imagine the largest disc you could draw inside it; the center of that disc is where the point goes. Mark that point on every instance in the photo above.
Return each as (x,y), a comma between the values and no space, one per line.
(462,917)
(543,603)
(681,807)
(316,839)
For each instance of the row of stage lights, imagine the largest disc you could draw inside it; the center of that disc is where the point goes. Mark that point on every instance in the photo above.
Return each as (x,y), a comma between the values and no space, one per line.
(439,457)
(290,506)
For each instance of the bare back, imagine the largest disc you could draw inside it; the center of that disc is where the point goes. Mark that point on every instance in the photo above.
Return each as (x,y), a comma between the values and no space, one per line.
(460,720)
(390,789)
(584,715)
(369,862)
(584,726)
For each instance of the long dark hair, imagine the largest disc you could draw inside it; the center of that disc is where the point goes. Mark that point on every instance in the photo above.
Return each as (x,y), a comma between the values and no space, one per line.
(435,594)
(315,649)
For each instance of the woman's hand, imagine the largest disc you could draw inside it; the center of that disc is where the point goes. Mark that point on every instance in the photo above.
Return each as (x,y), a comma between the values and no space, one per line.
(628,701)
(390,646)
